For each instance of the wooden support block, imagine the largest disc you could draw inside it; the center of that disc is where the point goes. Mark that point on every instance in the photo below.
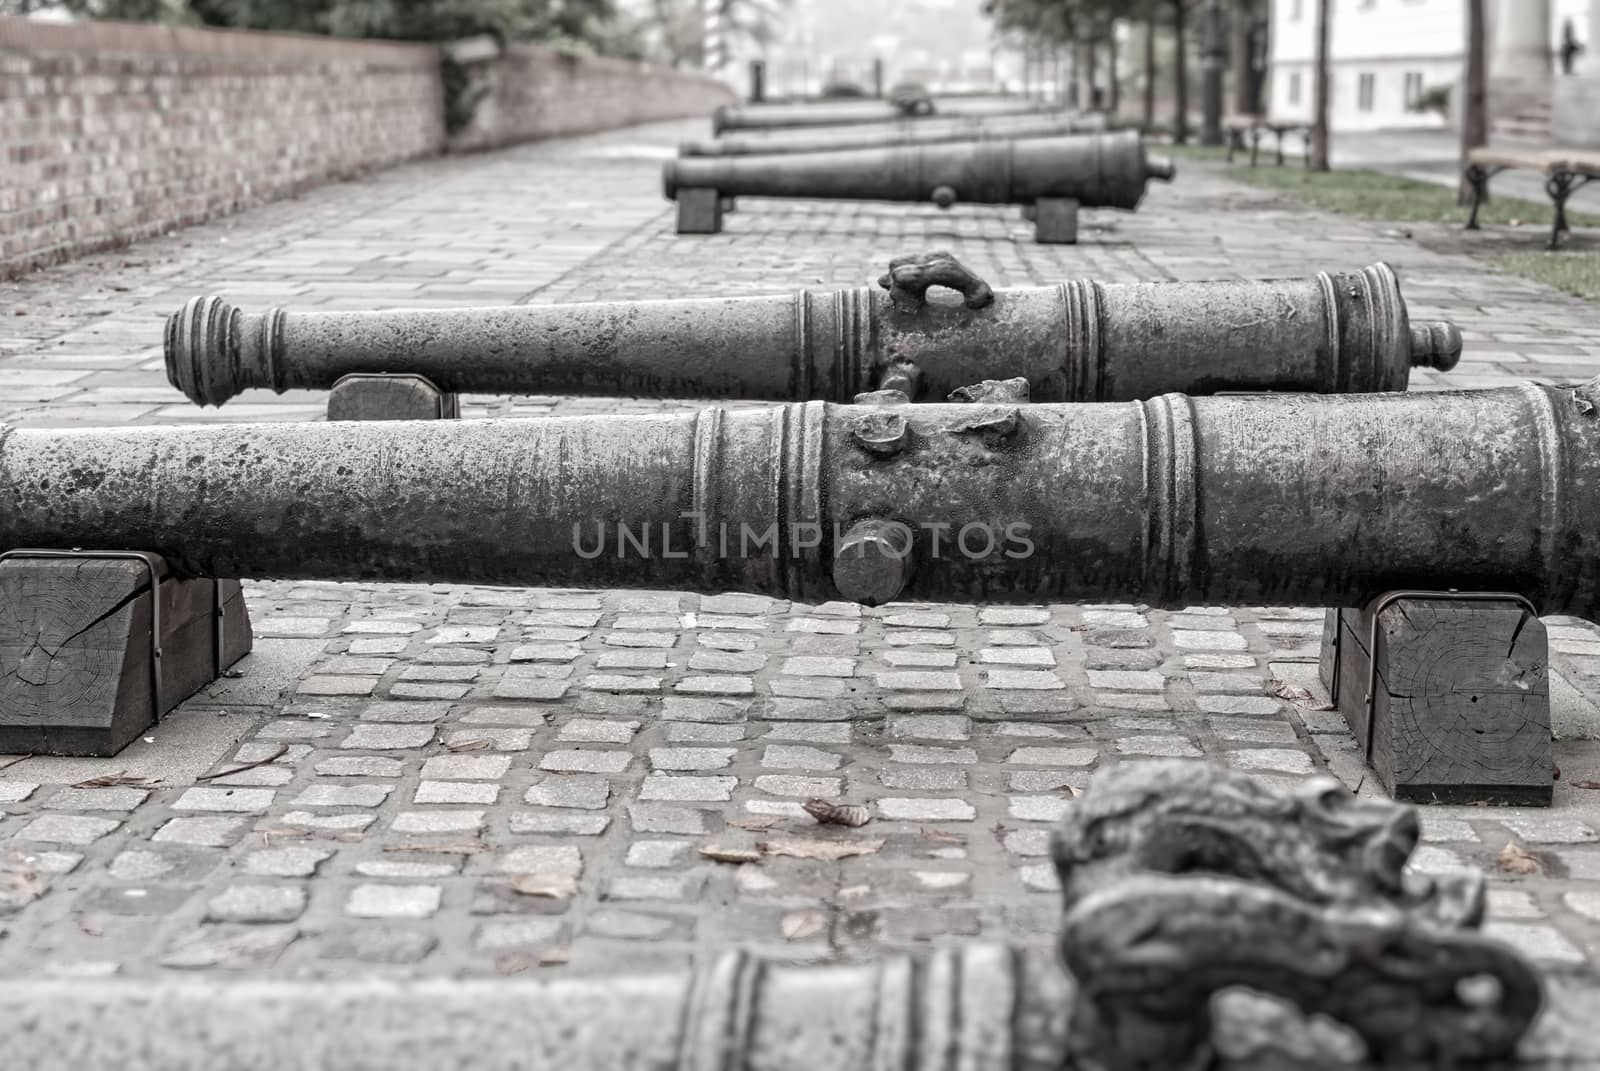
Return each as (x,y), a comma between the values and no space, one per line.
(1055,221)
(729,205)
(77,676)
(699,211)
(380,396)
(1461,710)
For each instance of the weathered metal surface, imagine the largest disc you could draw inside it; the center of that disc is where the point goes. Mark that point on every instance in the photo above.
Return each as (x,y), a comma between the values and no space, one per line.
(1077,341)
(1183,879)
(1096,170)
(898,132)
(840,112)
(1175,501)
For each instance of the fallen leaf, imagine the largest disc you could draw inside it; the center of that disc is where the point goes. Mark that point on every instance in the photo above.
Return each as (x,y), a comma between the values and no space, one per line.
(555,957)
(20,887)
(827,851)
(475,744)
(837,814)
(1586,784)
(756,825)
(553,887)
(112,780)
(1513,860)
(513,963)
(798,925)
(853,891)
(941,835)
(464,847)
(1295,694)
(720,854)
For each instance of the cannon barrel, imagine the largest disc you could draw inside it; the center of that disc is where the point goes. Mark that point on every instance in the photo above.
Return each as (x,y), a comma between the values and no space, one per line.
(1077,341)
(1263,500)
(1096,170)
(899,132)
(839,112)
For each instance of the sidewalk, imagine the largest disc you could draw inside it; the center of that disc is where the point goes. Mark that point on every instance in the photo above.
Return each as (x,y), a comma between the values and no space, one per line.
(481,782)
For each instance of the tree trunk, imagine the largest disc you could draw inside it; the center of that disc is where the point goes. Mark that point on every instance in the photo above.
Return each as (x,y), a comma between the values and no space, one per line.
(1150,72)
(1475,105)
(1180,71)
(1243,15)
(1113,90)
(1319,88)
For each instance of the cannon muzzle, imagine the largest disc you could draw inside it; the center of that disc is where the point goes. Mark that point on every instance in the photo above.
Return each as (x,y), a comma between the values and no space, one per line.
(1096,170)
(1173,501)
(1078,341)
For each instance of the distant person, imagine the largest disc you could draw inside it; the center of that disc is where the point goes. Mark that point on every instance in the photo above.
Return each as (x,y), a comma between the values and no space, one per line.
(1569,46)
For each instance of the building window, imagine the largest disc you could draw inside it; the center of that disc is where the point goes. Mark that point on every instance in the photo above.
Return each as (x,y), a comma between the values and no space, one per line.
(1294,87)
(1413,90)
(1364,92)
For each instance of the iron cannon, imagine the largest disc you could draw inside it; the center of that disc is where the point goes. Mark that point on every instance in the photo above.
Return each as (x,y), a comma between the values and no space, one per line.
(1274,500)
(1054,176)
(899,132)
(1077,341)
(909,105)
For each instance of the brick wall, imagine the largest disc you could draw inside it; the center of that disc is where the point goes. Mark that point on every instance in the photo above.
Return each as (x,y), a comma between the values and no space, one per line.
(110,132)
(538,92)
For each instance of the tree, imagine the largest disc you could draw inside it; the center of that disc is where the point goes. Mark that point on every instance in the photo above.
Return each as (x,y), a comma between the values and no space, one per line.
(678,26)
(1474,107)
(1319,90)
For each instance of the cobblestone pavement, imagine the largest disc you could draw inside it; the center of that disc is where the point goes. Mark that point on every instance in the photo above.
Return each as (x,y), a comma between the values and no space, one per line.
(472,781)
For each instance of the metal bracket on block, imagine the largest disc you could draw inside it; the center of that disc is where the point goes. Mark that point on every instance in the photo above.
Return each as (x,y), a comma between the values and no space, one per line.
(391,396)
(1055,221)
(699,210)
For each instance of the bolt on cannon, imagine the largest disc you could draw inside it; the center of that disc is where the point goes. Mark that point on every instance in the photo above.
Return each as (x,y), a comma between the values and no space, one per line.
(1079,341)
(1051,176)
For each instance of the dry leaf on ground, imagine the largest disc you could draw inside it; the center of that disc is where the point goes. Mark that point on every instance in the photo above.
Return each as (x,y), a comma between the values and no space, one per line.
(476,744)
(112,780)
(1513,860)
(1296,694)
(798,925)
(720,854)
(827,851)
(837,814)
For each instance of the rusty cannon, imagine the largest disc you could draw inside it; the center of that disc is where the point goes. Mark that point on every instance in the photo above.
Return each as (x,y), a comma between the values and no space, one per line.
(908,105)
(1077,341)
(899,132)
(1174,501)
(1050,177)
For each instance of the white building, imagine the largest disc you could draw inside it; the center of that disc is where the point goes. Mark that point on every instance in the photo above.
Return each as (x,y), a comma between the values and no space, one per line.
(1386,57)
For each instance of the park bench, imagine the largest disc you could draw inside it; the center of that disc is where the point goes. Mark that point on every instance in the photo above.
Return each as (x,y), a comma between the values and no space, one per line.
(1565,172)
(1238,126)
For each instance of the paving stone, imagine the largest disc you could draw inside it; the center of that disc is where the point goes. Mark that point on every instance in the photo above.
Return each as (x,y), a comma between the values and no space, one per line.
(560,823)
(540,688)
(294,861)
(687,789)
(333,823)
(811,666)
(1047,780)
(585,793)
(1548,828)
(382,645)
(656,854)
(925,809)
(1127,680)
(111,798)
(437,822)
(502,934)
(918,638)
(379,627)
(594,760)
(136,865)
(465,634)
(667,818)
(67,829)
(473,792)
(545,860)
(15,791)
(200,832)
(728,661)
(1239,704)
(906,659)
(1020,679)
(545,652)
(793,757)
(628,925)
(359,766)
(1280,759)
(1040,878)
(824,626)
(920,754)
(923,778)
(1115,619)
(383,737)
(1030,843)
(1039,808)
(803,787)
(1538,941)
(330,685)
(257,903)
(715,685)
(341,665)
(1253,730)
(1017,656)
(1053,756)
(1184,639)
(343,795)
(1014,615)
(394,901)
(653,887)
(1171,747)
(229,948)
(404,870)
(810,732)
(680,708)
(688,732)
(589,730)
(466,767)
(691,758)
(631,659)
(525,716)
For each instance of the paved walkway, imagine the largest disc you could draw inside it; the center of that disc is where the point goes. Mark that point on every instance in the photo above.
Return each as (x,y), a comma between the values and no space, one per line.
(481,781)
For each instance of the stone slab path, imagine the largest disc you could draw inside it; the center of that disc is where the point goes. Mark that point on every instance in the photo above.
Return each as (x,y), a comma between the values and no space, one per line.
(482,782)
